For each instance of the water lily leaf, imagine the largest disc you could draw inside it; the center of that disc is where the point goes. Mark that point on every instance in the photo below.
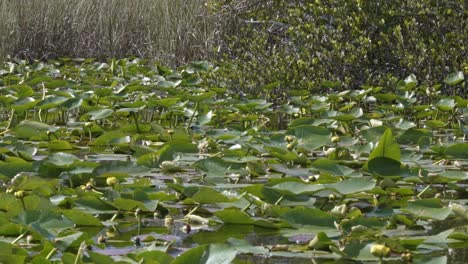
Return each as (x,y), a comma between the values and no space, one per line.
(47,223)
(353,185)
(208,254)
(372,223)
(94,205)
(183,146)
(51,102)
(332,167)
(412,135)
(294,188)
(53,84)
(81,218)
(455,78)
(109,138)
(166,102)
(154,159)
(428,208)
(459,150)
(28,129)
(434,124)
(244,247)
(301,216)
(282,153)
(253,105)
(127,204)
(205,195)
(10,169)
(167,84)
(404,124)
(311,137)
(234,216)
(72,103)
(455,175)
(440,238)
(410,81)
(431,260)
(350,116)
(61,160)
(446,104)
(215,167)
(59,145)
(99,258)
(387,97)
(70,239)
(21,90)
(100,114)
(128,110)
(290,171)
(159,256)
(200,97)
(384,166)
(202,66)
(204,119)
(12,253)
(387,147)
(320,242)
(24,104)
(373,134)
(120,167)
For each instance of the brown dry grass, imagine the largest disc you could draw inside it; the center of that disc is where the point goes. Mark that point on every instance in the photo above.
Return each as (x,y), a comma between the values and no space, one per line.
(172,31)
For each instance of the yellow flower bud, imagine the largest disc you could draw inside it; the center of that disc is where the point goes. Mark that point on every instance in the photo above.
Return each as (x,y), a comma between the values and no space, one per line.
(380,251)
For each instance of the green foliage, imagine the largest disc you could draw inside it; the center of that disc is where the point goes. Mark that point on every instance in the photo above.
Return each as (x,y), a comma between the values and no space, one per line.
(93,155)
(342,44)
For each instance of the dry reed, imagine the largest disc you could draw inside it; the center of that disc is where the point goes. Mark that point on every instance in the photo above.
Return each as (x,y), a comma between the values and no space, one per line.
(172,31)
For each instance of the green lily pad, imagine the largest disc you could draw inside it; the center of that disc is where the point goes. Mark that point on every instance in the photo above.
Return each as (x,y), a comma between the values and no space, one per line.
(384,166)
(51,101)
(81,218)
(446,104)
(459,150)
(332,167)
(205,195)
(311,137)
(100,114)
(59,145)
(455,78)
(428,208)
(208,254)
(48,224)
(215,167)
(353,185)
(387,147)
(301,216)
(234,216)
(24,104)
(28,129)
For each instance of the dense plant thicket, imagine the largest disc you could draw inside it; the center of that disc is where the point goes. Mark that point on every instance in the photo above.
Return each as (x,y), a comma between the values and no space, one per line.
(301,44)
(293,44)
(171,31)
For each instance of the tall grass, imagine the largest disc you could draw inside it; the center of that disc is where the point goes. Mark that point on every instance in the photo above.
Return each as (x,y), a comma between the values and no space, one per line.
(172,31)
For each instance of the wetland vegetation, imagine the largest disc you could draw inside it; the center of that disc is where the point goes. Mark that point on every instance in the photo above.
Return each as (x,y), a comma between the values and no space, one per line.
(291,140)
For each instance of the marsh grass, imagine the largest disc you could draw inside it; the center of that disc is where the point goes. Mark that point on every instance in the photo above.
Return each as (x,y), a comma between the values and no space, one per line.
(172,31)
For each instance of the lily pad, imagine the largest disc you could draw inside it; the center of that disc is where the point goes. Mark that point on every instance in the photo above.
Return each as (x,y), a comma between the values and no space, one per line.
(428,208)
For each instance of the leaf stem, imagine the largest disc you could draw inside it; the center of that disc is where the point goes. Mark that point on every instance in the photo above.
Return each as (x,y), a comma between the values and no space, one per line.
(19,238)
(424,190)
(80,252)
(136,121)
(51,253)
(195,110)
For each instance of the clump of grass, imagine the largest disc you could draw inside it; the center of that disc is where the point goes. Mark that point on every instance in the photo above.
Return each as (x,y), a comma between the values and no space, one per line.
(172,31)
